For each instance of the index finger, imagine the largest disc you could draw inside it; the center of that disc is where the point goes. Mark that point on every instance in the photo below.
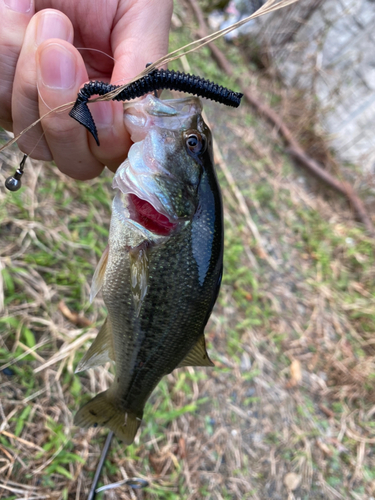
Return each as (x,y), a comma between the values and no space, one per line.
(139,36)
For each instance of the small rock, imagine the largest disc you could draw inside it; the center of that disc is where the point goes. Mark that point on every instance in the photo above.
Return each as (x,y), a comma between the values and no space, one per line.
(8,372)
(292,480)
(245,362)
(250,392)
(349,242)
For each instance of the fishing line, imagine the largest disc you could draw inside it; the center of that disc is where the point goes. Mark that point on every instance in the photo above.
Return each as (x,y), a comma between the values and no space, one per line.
(268,7)
(110,57)
(97,50)
(80,48)
(41,98)
(113,59)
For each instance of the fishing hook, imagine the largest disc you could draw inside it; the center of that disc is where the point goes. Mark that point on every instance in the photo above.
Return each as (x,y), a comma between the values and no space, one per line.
(13,183)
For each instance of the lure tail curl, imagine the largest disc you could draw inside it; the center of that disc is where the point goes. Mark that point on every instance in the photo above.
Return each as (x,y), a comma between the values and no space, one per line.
(157,79)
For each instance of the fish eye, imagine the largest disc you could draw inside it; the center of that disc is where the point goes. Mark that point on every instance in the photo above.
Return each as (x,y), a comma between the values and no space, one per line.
(195,142)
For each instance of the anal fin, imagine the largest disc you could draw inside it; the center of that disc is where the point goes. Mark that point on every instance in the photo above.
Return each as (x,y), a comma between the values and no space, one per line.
(197,356)
(101,350)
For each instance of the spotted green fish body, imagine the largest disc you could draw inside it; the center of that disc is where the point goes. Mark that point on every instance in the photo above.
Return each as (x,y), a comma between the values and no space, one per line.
(161,273)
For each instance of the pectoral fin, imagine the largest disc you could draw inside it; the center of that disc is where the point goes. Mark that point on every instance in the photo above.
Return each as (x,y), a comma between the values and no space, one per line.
(197,356)
(139,275)
(98,278)
(101,350)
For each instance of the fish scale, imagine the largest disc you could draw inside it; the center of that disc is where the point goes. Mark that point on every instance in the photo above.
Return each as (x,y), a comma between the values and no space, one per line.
(159,289)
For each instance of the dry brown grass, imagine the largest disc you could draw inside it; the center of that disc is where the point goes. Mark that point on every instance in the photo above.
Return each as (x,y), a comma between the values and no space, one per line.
(292,338)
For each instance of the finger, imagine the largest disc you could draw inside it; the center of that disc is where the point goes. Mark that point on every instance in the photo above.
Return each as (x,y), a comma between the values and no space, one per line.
(132,49)
(45,25)
(15,16)
(113,136)
(140,36)
(61,72)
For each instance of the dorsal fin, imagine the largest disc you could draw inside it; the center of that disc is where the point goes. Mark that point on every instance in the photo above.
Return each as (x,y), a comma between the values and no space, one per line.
(101,350)
(197,356)
(98,278)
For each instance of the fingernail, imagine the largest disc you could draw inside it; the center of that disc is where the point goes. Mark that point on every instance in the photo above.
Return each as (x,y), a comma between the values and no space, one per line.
(52,25)
(57,67)
(102,113)
(22,6)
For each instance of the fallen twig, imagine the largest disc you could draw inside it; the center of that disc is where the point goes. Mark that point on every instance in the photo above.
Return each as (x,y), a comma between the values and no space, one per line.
(21,440)
(294,148)
(75,318)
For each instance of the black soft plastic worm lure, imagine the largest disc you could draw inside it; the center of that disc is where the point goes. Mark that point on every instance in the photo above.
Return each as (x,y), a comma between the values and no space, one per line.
(157,79)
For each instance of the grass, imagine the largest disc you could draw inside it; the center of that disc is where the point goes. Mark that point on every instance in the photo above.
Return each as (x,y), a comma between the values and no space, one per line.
(293,385)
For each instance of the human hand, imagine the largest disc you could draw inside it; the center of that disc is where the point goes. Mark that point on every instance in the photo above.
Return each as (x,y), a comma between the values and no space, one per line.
(41,67)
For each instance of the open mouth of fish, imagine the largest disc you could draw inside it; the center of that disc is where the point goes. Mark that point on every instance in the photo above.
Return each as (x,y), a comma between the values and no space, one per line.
(153,125)
(144,213)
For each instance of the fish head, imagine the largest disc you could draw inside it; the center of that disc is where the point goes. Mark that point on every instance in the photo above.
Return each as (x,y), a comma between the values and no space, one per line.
(165,164)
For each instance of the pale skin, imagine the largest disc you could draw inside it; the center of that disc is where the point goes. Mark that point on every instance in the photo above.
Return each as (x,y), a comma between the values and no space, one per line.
(41,68)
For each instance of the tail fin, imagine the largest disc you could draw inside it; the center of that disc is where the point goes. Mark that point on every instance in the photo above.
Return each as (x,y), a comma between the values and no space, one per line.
(103,411)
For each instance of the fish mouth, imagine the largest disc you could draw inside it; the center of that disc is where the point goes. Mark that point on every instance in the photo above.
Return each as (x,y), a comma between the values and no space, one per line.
(150,111)
(142,212)
(151,194)
(144,204)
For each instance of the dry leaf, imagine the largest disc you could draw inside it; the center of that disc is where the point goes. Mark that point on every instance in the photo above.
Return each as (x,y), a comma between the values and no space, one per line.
(326,411)
(182,447)
(292,480)
(73,317)
(295,371)
(295,374)
(325,449)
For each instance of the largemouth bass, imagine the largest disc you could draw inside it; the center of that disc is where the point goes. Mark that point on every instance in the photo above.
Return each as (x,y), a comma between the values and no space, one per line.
(161,272)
